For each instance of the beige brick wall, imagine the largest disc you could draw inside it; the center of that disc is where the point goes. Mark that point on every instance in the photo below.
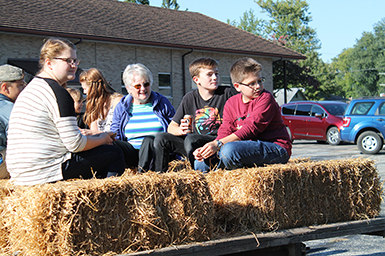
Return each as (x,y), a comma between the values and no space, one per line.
(112,58)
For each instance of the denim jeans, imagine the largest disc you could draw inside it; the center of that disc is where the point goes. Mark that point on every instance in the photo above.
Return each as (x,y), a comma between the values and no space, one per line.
(103,161)
(246,153)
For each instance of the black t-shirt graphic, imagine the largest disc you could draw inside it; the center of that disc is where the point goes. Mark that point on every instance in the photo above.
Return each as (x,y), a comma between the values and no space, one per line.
(207,115)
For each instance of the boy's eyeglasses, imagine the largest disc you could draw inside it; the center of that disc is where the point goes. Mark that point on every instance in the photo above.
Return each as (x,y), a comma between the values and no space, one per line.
(69,60)
(260,81)
(138,86)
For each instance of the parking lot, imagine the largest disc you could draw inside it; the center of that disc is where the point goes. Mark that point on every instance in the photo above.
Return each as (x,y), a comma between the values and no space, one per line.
(347,245)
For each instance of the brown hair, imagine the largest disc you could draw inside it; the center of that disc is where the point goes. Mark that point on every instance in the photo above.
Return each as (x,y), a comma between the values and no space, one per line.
(53,47)
(98,95)
(196,66)
(76,94)
(242,68)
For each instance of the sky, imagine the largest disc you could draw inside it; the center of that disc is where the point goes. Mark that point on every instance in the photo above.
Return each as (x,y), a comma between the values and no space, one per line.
(338,23)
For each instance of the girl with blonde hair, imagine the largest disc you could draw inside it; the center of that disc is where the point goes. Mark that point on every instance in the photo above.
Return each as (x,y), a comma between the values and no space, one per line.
(44,142)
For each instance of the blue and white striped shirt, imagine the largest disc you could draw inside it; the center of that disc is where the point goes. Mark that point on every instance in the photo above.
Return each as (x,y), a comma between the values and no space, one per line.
(143,122)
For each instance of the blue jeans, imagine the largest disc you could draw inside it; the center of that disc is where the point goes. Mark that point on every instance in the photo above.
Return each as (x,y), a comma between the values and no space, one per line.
(246,153)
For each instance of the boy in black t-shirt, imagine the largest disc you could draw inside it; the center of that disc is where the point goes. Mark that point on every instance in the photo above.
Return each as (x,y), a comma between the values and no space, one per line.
(205,105)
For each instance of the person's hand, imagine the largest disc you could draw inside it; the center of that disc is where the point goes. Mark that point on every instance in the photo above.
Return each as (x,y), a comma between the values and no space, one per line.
(184,127)
(206,151)
(88,132)
(112,135)
(107,137)
(197,155)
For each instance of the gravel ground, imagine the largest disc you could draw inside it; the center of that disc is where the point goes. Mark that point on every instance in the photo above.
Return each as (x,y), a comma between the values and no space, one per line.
(347,245)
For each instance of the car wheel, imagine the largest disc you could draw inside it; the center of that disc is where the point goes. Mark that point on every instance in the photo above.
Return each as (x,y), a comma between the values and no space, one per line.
(289,132)
(369,142)
(333,136)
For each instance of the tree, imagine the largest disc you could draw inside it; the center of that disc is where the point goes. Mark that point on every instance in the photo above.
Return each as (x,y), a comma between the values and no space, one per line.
(250,23)
(170,4)
(144,2)
(291,18)
(358,68)
(289,26)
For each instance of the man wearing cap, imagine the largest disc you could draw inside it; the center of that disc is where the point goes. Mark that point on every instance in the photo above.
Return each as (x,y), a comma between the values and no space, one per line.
(11,84)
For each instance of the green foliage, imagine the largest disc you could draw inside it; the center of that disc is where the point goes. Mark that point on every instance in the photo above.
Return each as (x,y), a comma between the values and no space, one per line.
(358,68)
(170,4)
(289,26)
(144,2)
(250,23)
(291,18)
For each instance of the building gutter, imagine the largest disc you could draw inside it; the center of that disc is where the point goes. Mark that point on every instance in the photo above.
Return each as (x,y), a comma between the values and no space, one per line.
(184,71)
(149,43)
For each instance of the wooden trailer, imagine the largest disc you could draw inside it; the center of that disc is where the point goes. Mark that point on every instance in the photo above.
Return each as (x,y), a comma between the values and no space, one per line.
(285,242)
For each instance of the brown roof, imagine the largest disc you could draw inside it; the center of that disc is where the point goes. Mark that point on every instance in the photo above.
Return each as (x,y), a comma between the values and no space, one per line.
(111,20)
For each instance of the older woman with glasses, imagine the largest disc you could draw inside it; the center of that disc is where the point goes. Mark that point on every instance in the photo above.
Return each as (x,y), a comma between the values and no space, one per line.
(139,116)
(44,142)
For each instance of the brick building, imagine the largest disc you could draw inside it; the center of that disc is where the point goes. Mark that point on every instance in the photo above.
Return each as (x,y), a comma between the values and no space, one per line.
(110,34)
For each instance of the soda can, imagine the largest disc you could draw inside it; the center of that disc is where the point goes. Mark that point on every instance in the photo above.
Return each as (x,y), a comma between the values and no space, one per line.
(188,119)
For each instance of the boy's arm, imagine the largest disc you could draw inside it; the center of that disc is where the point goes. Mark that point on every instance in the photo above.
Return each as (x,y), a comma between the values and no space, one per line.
(178,130)
(212,147)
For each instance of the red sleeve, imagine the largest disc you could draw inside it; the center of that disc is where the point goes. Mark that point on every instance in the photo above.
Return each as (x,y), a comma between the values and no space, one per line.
(228,121)
(262,111)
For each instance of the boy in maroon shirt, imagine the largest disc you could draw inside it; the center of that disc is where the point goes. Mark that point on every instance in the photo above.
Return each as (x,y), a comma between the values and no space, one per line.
(252,132)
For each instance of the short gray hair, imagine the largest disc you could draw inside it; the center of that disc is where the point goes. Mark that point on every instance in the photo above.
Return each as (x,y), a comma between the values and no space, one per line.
(136,69)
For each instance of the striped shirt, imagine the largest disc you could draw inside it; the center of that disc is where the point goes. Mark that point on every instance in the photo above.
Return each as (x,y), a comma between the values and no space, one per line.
(143,122)
(42,133)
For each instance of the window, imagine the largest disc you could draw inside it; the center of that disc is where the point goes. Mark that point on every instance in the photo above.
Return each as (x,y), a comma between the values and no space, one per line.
(288,110)
(382,109)
(317,110)
(303,110)
(335,109)
(226,81)
(165,84)
(361,108)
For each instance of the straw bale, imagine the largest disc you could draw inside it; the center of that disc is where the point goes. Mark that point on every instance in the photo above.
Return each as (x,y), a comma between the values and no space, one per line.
(5,189)
(113,215)
(294,195)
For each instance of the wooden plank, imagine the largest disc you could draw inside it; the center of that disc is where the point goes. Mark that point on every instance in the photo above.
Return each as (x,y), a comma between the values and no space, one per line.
(271,239)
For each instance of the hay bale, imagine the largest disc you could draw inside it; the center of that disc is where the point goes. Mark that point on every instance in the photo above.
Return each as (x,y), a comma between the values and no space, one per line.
(119,215)
(294,195)
(5,190)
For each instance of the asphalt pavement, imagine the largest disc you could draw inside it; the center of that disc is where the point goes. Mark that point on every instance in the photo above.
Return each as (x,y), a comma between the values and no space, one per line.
(346,245)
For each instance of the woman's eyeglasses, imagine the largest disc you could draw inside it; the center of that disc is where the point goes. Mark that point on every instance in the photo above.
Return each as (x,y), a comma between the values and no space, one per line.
(69,60)
(138,86)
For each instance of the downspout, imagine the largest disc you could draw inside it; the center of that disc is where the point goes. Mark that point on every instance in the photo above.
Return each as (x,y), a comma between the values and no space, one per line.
(183,71)
(79,42)
(284,82)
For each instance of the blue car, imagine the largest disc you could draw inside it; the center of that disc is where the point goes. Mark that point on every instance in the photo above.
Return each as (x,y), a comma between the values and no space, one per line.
(364,124)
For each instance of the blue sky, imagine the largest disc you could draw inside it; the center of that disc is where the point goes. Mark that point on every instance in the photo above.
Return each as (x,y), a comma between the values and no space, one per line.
(338,23)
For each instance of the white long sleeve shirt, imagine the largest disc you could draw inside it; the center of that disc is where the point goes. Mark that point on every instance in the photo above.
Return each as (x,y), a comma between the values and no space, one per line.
(42,133)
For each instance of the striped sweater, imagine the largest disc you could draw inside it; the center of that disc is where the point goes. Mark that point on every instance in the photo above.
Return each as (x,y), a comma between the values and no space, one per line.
(42,133)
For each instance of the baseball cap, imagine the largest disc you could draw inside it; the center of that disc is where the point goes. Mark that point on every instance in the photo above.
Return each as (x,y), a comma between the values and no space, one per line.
(10,73)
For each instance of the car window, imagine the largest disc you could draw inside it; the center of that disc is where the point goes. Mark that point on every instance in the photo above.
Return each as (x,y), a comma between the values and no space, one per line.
(335,109)
(361,108)
(288,110)
(381,109)
(317,110)
(303,110)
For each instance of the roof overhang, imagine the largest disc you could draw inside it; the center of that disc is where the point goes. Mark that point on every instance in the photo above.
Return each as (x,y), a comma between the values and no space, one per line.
(275,57)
